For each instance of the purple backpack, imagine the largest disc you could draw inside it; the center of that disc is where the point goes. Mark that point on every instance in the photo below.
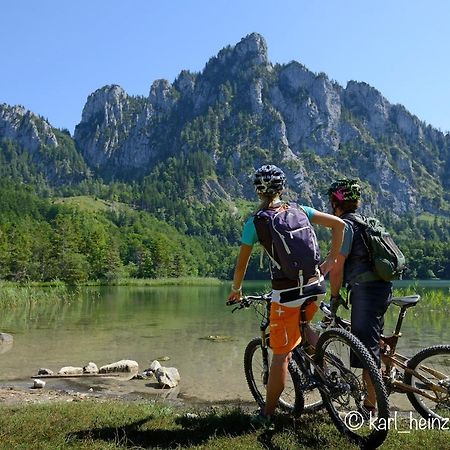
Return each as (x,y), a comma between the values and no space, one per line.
(289,239)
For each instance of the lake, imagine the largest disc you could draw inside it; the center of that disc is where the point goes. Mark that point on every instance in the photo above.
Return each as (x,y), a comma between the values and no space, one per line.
(106,324)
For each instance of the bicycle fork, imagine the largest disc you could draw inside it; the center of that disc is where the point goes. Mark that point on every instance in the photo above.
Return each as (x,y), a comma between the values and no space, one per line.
(265,357)
(265,346)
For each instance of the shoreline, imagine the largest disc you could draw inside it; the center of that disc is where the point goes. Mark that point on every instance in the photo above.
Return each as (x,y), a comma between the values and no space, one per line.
(18,394)
(192,281)
(181,281)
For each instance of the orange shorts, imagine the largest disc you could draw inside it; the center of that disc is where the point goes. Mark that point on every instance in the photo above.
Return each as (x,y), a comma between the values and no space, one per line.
(285,326)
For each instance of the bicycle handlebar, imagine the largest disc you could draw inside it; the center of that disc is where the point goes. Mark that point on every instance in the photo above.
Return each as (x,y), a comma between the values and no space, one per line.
(248,301)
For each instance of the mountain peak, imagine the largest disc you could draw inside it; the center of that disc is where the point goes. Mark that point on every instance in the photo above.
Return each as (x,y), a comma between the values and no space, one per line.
(99,100)
(162,95)
(250,51)
(254,47)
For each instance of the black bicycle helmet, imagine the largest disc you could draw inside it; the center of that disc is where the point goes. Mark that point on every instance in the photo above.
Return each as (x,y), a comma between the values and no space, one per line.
(345,189)
(269,179)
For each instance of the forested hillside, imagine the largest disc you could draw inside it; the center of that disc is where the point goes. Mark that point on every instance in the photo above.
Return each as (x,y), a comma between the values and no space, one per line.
(159,185)
(82,238)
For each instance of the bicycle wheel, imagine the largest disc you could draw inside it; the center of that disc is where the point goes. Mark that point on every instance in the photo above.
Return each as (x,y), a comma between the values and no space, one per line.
(344,390)
(291,399)
(431,375)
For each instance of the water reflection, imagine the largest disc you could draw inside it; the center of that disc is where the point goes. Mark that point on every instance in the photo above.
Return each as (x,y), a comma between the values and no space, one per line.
(144,323)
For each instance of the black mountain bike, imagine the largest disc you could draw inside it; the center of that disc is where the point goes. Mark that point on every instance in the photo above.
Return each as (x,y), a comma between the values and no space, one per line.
(327,372)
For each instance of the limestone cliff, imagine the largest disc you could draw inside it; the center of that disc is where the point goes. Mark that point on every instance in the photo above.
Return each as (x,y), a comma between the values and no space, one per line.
(241,111)
(32,149)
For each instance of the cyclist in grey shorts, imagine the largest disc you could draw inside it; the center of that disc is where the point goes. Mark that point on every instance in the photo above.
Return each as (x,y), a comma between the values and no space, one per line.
(369,295)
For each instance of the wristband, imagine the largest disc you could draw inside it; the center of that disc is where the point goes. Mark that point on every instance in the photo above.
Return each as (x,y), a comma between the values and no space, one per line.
(233,289)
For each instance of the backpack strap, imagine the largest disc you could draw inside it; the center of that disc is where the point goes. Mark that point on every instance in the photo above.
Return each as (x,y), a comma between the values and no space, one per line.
(356,218)
(353,218)
(275,263)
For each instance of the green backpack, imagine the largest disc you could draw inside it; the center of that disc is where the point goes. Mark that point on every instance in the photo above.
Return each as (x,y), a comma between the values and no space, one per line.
(387,259)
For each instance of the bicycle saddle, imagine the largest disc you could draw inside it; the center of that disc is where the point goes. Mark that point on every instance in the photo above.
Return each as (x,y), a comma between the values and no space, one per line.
(406,301)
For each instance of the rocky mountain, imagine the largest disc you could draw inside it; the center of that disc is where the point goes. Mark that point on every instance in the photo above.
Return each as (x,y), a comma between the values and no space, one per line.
(31,149)
(241,111)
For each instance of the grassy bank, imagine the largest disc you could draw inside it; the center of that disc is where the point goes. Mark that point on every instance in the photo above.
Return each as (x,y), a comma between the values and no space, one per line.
(431,299)
(181,281)
(12,293)
(15,294)
(108,425)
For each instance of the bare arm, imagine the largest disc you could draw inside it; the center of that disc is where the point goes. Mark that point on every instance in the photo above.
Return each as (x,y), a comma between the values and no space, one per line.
(337,275)
(239,272)
(337,236)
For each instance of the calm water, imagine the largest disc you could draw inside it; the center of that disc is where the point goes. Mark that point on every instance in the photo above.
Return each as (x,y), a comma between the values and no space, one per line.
(145,323)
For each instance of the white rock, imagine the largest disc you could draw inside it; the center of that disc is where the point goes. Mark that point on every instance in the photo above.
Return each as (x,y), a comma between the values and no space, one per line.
(38,384)
(168,376)
(6,338)
(124,365)
(70,370)
(155,365)
(90,368)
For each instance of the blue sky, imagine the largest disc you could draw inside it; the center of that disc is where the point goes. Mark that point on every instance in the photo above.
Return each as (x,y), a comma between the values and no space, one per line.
(55,53)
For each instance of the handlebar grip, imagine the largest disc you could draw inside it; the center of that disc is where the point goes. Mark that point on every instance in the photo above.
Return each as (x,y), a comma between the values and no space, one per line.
(336,302)
(231,302)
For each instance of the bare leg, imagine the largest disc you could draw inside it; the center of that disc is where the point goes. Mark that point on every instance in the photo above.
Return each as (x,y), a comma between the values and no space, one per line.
(311,336)
(277,381)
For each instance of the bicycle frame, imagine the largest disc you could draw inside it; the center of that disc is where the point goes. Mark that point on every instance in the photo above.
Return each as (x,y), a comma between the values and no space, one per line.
(392,359)
(264,344)
(300,349)
(304,355)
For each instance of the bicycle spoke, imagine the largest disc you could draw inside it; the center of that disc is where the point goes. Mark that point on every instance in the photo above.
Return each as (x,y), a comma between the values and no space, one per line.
(350,374)
(431,377)
(291,399)
(311,394)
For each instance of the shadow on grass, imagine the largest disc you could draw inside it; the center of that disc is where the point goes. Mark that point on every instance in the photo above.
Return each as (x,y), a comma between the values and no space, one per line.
(183,431)
(192,430)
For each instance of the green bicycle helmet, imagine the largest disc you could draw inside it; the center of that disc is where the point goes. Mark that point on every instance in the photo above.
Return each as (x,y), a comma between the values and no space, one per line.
(345,189)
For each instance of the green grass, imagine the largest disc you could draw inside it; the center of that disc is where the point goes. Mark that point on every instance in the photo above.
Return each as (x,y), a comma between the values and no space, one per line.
(181,281)
(431,299)
(13,295)
(427,217)
(90,204)
(113,424)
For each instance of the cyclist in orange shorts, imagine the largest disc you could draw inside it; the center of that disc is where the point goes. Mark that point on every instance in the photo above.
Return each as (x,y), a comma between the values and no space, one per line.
(287,294)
